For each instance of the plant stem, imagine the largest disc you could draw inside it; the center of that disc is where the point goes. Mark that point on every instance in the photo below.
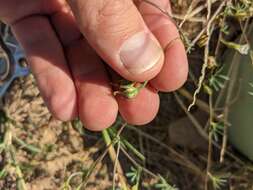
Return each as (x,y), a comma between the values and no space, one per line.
(8,138)
(210,142)
(31,148)
(114,158)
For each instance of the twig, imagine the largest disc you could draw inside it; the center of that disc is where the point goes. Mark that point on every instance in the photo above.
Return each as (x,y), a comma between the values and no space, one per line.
(181,161)
(204,67)
(187,13)
(93,166)
(201,104)
(210,142)
(209,9)
(196,124)
(114,157)
(199,9)
(137,164)
(212,19)
(194,12)
(219,39)
(192,19)
(115,168)
(209,29)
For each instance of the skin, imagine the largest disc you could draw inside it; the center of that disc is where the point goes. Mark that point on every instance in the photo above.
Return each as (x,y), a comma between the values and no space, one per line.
(64,41)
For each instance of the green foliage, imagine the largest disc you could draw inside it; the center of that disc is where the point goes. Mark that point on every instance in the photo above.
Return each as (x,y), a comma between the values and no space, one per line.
(216,81)
(164,185)
(135,176)
(217,129)
(126,144)
(3,117)
(225,29)
(243,49)
(251,92)
(66,185)
(29,147)
(240,9)
(218,182)
(129,89)
(3,173)
(78,126)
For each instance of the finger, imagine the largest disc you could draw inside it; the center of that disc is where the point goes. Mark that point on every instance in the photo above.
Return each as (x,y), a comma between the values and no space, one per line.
(96,105)
(46,59)
(140,110)
(117,32)
(14,10)
(175,69)
(89,75)
(65,26)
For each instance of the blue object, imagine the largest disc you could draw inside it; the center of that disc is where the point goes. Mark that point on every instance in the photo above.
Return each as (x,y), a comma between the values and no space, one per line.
(10,65)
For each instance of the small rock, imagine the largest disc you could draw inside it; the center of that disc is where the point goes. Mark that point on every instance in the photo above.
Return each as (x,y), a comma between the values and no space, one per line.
(183,133)
(48,136)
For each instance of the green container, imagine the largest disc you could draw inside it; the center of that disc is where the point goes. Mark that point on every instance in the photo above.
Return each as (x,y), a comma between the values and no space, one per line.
(241,110)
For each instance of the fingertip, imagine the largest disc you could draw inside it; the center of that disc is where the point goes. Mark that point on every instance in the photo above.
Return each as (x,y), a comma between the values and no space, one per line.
(62,107)
(58,92)
(140,110)
(175,70)
(98,113)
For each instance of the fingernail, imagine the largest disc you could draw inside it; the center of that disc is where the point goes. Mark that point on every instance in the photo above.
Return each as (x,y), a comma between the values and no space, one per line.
(140,53)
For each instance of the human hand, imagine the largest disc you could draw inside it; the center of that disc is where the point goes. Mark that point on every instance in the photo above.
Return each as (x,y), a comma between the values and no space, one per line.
(134,38)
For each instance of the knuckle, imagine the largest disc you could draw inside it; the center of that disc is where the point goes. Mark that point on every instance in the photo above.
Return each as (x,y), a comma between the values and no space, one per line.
(117,18)
(111,16)
(111,8)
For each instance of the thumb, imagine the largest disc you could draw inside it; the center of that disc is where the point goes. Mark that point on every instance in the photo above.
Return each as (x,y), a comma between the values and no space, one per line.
(117,32)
